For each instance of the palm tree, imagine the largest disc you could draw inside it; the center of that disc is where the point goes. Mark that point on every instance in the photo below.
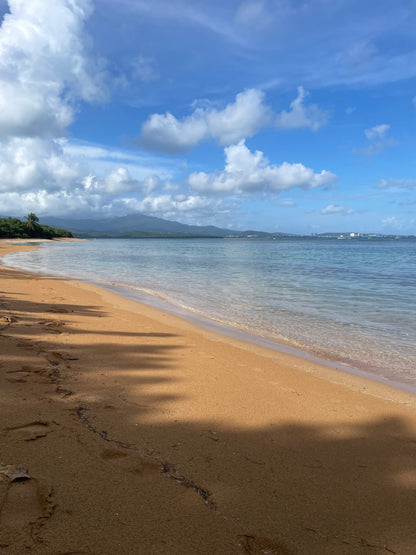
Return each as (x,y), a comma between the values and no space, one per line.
(31,222)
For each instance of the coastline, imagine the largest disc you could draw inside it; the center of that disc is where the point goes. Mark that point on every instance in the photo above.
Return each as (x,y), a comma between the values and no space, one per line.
(361,367)
(140,429)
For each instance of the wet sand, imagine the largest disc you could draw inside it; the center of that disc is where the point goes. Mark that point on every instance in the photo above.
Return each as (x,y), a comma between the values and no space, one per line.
(124,429)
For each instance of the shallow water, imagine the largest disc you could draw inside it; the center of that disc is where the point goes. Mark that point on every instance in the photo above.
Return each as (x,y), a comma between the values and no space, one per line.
(351,301)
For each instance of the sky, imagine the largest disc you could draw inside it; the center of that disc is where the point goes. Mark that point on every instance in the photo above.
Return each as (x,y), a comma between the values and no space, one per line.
(294,116)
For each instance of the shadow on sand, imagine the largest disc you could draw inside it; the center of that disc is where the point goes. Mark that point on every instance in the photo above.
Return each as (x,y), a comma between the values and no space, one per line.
(330,488)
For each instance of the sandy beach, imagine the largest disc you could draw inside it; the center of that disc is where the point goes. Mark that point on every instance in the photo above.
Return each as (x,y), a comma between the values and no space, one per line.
(127,430)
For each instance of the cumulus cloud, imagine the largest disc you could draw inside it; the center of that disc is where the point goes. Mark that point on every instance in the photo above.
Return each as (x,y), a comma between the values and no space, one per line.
(238,120)
(44,70)
(301,115)
(44,176)
(67,189)
(189,208)
(44,67)
(166,133)
(27,163)
(119,182)
(170,204)
(249,172)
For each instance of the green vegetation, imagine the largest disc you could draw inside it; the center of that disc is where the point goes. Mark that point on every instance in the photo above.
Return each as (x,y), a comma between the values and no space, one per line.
(12,228)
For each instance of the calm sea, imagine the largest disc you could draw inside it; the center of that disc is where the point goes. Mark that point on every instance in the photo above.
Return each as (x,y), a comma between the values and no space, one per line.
(350,301)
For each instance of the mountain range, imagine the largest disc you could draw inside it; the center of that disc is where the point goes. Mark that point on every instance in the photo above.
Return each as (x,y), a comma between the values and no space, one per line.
(140,225)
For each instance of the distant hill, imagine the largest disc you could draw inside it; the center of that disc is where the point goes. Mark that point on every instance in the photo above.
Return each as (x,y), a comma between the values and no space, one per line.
(140,225)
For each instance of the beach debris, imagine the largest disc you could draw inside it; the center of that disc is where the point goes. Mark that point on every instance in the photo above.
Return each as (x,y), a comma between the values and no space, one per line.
(5,321)
(13,473)
(64,392)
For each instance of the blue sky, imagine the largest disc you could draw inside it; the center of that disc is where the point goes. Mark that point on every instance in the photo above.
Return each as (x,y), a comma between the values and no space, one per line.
(282,115)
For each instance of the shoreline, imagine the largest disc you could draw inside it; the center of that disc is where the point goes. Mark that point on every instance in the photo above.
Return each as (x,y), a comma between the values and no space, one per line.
(229,330)
(142,433)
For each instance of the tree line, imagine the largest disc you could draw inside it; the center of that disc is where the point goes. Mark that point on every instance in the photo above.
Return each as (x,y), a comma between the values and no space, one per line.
(12,228)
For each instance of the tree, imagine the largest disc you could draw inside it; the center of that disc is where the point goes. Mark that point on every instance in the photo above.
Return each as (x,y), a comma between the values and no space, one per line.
(13,227)
(32,223)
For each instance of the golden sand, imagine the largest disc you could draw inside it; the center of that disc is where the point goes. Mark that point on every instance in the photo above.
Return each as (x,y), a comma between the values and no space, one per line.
(126,430)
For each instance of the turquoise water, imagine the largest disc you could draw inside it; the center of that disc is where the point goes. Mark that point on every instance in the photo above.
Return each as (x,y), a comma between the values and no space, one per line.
(349,301)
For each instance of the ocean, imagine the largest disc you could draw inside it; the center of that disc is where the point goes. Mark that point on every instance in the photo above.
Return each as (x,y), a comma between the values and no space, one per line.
(352,302)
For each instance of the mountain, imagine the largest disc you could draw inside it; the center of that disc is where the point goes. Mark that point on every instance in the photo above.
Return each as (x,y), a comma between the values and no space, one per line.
(147,225)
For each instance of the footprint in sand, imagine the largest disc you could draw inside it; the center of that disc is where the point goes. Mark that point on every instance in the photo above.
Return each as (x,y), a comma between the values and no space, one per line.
(39,374)
(30,432)
(22,504)
(129,462)
(52,326)
(18,377)
(56,358)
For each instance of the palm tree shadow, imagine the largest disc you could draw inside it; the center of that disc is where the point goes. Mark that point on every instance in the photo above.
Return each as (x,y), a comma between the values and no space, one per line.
(284,488)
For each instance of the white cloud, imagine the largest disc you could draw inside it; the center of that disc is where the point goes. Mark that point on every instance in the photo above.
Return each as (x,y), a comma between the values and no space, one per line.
(301,115)
(103,160)
(44,67)
(378,140)
(28,163)
(165,133)
(168,203)
(46,177)
(238,120)
(190,208)
(394,224)
(119,182)
(396,184)
(248,172)
(332,209)
(58,203)
(377,132)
